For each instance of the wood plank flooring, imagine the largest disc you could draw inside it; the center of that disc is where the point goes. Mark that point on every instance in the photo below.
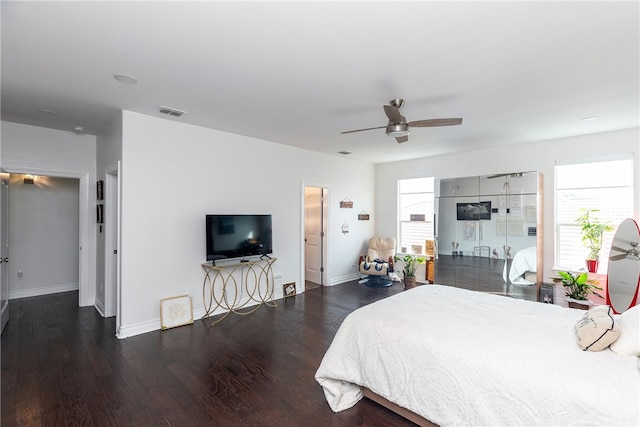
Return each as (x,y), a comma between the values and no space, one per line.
(62,365)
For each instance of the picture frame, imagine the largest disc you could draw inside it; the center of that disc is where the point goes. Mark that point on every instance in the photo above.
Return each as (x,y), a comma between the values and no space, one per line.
(100,190)
(176,311)
(473,211)
(100,214)
(289,289)
(515,227)
(346,203)
(547,293)
(469,229)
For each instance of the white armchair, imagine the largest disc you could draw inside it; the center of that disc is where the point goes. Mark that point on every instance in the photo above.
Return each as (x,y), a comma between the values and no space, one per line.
(378,262)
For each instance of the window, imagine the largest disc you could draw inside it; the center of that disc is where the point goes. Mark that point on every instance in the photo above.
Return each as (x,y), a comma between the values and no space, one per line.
(606,185)
(416,214)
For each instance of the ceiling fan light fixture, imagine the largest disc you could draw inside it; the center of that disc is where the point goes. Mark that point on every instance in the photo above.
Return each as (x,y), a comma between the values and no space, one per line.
(397,129)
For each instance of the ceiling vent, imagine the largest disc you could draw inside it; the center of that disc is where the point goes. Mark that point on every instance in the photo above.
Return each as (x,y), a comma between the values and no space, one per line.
(170,111)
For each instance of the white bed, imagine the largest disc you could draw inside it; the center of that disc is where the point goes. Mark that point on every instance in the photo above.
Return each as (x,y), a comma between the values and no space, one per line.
(523,267)
(458,357)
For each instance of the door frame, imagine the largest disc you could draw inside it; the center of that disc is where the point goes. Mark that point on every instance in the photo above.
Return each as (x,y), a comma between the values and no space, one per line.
(86,267)
(112,243)
(325,227)
(4,240)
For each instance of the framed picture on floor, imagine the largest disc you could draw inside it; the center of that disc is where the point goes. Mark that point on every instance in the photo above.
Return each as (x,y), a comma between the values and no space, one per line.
(546,293)
(176,311)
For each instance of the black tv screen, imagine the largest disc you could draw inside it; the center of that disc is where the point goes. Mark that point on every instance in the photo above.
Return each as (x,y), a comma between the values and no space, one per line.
(238,236)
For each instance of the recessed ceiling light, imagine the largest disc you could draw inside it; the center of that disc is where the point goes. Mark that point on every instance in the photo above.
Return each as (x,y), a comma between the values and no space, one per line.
(590,119)
(78,129)
(344,152)
(126,79)
(47,113)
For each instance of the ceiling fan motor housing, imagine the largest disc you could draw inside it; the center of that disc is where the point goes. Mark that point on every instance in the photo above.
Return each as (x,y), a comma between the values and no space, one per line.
(397,129)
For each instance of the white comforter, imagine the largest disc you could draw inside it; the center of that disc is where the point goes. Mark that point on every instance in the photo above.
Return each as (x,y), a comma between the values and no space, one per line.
(460,357)
(523,261)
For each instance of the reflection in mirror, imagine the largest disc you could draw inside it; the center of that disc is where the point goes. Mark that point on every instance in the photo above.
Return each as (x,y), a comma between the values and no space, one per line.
(487,232)
(624,267)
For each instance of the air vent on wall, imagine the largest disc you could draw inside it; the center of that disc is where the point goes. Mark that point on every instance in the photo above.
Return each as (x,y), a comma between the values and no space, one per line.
(170,111)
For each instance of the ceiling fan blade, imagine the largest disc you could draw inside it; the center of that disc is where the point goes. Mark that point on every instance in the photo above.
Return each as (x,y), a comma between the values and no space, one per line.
(393,113)
(617,257)
(360,130)
(402,139)
(435,122)
(615,248)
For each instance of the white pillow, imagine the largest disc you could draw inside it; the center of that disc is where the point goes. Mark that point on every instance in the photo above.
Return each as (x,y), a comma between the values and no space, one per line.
(628,344)
(597,329)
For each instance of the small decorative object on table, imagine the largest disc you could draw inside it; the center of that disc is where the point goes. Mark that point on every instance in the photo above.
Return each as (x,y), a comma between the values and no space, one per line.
(410,263)
(578,287)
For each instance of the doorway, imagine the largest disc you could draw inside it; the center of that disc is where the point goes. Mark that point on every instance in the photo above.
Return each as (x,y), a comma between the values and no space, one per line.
(86,295)
(315,236)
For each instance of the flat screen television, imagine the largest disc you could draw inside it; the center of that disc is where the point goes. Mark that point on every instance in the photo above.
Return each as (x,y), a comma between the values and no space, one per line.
(238,236)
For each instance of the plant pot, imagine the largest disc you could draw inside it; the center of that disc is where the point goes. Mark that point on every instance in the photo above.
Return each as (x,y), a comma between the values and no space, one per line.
(592,265)
(409,282)
(579,304)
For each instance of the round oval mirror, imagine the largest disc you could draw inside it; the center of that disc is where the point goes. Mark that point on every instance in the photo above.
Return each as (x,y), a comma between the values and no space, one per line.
(624,267)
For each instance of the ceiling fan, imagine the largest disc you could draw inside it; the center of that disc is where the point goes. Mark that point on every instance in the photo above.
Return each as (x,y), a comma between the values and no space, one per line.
(511,175)
(398,126)
(631,253)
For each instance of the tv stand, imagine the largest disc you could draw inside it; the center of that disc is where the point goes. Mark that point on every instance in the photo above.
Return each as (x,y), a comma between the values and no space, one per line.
(233,287)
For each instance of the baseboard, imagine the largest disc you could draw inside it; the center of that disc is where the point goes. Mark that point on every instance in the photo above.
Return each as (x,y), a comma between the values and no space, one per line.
(346,278)
(139,328)
(99,306)
(36,292)
(154,325)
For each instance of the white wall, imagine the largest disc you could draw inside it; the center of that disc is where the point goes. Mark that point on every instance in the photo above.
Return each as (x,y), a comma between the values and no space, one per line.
(173,174)
(538,156)
(32,149)
(43,249)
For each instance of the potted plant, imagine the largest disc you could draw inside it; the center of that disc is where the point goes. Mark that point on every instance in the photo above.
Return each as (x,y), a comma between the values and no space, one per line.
(578,287)
(592,230)
(410,263)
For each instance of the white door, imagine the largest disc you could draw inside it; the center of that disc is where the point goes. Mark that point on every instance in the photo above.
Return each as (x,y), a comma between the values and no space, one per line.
(4,252)
(313,235)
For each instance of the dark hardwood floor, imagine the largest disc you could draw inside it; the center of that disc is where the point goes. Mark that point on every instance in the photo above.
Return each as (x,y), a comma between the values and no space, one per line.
(62,365)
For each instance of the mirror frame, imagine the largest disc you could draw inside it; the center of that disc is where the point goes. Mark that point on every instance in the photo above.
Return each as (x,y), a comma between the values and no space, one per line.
(627,232)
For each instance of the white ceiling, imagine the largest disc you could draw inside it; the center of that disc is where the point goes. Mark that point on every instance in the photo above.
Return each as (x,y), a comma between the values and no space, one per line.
(299,73)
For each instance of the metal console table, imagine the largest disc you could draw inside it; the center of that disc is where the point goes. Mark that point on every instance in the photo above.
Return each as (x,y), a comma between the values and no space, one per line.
(240,284)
